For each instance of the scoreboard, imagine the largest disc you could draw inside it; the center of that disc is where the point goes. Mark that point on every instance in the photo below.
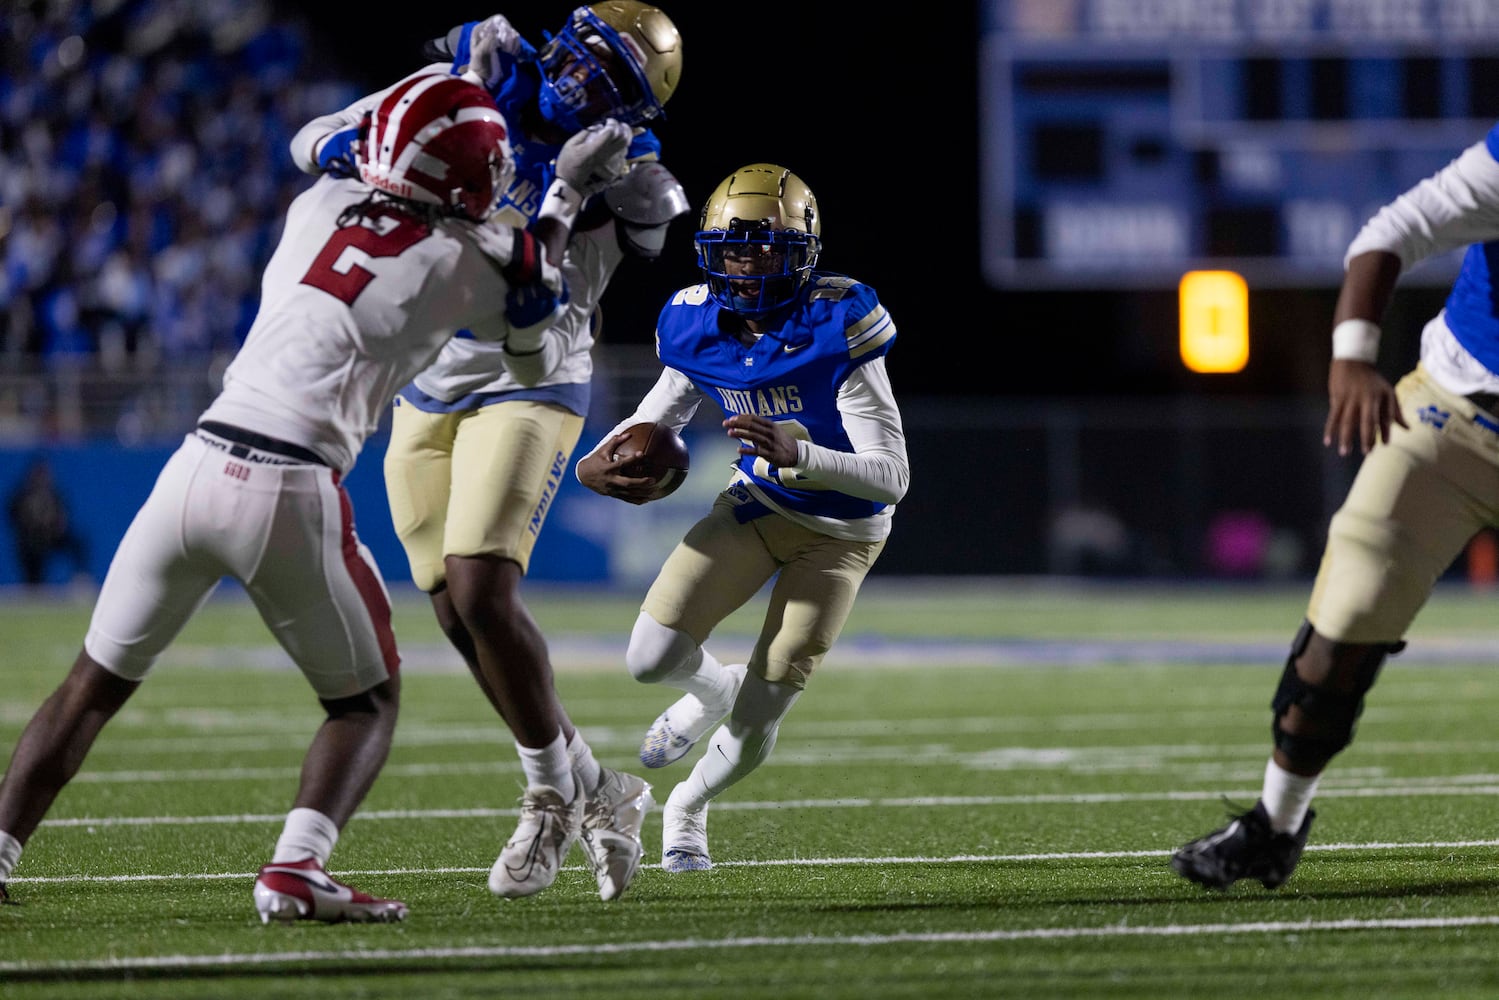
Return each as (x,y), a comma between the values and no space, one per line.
(1125,142)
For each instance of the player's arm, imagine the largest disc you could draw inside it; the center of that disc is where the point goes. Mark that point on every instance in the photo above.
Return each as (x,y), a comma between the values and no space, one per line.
(529,259)
(1361,401)
(489,49)
(877,469)
(1452,208)
(326,144)
(533,348)
(588,162)
(535,298)
(1456,206)
(671,401)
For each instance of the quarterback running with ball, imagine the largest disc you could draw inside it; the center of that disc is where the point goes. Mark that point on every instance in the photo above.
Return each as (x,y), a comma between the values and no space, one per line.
(795,360)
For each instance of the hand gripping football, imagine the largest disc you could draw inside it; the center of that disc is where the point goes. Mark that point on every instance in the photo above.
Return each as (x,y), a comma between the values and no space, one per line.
(660,454)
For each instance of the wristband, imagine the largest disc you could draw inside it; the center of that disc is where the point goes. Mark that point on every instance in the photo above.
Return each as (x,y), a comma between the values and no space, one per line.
(1355,340)
(562,202)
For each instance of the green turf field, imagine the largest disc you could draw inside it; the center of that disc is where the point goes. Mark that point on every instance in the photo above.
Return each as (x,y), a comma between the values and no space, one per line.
(976,797)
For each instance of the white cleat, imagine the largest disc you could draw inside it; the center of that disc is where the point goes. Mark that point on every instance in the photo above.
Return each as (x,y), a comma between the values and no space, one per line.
(534,854)
(687,720)
(612,818)
(302,890)
(684,839)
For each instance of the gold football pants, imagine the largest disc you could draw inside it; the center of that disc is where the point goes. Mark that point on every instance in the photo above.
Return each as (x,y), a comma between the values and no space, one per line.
(477,482)
(1413,507)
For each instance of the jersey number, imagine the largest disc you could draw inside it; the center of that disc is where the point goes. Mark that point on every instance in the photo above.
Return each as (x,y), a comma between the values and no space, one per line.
(799,432)
(346,284)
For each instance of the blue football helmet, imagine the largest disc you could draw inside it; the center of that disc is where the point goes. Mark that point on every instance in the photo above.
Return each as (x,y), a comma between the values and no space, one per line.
(758,239)
(614,59)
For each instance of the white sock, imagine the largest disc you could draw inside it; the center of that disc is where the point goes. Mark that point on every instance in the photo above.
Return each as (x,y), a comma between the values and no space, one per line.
(1287,797)
(307,834)
(585,766)
(549,765)
(709,682)
(740,745)
(10,853)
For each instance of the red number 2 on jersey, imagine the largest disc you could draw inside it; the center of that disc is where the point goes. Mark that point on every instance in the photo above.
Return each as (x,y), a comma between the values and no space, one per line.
(397,233)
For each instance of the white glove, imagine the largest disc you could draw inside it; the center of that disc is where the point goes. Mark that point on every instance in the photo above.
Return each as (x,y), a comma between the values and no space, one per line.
(493,46)
(594,158)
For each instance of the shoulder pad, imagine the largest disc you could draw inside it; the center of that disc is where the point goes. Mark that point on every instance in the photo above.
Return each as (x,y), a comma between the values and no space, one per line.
(833,287)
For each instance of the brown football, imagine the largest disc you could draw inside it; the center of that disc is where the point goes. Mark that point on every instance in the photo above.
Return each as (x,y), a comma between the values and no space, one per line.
(661,454)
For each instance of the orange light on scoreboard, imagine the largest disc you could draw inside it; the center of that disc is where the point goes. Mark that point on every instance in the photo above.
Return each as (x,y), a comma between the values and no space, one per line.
(1214,321)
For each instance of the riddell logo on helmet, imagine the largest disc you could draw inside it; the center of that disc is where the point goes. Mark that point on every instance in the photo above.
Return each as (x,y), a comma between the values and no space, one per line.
(400,189)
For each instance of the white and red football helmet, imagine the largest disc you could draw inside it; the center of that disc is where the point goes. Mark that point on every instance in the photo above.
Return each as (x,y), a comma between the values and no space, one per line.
(438,140)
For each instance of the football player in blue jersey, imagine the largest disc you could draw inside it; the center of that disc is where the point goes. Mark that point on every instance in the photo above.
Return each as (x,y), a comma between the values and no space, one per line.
(795,359)
(1425,487)
(476,456)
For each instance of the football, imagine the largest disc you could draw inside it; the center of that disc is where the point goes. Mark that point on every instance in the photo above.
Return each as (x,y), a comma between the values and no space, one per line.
(661,454)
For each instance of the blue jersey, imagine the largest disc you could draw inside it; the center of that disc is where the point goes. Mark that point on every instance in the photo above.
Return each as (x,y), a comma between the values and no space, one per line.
(791,374)
(533,157)
(1472,310)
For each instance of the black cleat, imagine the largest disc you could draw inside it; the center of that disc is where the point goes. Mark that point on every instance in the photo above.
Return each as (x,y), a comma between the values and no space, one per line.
(1245,848)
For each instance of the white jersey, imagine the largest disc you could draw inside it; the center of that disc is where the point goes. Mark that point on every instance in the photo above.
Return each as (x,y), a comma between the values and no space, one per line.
(353,303)
(466,366)
(1457,206)
(349,313)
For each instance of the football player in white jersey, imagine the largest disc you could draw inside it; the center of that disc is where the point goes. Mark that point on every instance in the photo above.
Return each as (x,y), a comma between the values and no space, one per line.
(795,359)
(1425,487)
(373,274)
(476,455)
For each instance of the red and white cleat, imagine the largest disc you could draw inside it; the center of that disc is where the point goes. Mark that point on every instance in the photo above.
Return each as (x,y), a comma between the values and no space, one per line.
(301,890)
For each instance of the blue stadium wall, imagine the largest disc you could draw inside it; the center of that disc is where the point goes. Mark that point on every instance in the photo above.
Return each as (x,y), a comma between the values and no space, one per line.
(588,539)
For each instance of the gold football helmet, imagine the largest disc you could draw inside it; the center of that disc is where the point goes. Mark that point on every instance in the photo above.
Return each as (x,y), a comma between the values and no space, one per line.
(758,239)
(613,59)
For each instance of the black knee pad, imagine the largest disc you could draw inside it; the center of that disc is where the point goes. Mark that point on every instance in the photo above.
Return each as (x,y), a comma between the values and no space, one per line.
(1334,712)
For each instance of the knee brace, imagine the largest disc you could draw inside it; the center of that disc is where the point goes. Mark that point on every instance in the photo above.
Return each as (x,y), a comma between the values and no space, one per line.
(1332,714)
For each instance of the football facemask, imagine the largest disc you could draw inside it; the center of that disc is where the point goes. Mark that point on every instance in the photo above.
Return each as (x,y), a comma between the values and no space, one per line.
(758,239)
(615,59)
(753,271)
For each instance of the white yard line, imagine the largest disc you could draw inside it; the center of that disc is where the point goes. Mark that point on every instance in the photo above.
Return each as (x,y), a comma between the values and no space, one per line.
(1477,785)
(594,948)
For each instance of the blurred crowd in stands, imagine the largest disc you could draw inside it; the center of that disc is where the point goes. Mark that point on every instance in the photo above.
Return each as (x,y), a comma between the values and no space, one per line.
(143,177)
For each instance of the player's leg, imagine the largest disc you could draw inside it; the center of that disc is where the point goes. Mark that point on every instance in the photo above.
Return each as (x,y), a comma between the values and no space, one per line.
(718,566)
(51,750)
(419,466)
(509,460)
(149,593)
(319,591)
(809,605)
(418,470)
(1409,513)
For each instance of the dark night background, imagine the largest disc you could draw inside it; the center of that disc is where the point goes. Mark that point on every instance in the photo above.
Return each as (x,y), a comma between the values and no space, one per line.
(1023,409)
(878,112)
